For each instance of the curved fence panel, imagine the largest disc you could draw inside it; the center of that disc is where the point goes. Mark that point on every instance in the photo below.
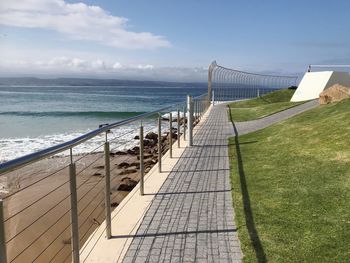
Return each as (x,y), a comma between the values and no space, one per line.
(226,84)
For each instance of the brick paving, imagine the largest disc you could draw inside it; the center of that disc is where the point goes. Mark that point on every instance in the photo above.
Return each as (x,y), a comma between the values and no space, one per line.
(191,218)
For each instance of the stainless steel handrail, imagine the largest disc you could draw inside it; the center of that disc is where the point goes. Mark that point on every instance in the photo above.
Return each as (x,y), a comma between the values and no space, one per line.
(39,155)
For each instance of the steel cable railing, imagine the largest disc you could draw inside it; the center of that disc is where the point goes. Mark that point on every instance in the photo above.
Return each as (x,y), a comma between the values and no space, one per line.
(40,227)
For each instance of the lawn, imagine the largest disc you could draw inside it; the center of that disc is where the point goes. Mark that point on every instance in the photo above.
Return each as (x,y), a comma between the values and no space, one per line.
(262,106)
(291,188)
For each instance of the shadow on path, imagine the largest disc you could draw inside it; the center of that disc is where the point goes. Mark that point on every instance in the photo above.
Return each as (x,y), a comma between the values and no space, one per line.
(253,234)
(190,192)
(176,233)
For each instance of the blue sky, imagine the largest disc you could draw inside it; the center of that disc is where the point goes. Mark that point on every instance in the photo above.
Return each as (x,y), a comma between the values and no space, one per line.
(169,40)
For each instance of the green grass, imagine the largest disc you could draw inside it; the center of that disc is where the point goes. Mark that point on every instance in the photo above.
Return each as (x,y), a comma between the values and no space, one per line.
(291,188)
(262,106)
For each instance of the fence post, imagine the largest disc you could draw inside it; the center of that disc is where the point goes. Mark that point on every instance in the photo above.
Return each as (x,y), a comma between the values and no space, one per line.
(74,213)
(178,128)
(196,111)
(258,92)
(210,77)
(142,167)
(199,109)
(213,98)
(160,143)
(184,122)
(108,191)
(190,120)
(3,254)
(171,135)
(193,112)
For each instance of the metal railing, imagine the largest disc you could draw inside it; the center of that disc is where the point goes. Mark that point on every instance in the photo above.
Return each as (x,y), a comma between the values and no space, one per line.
(226,84)
(59,198)
(330,67)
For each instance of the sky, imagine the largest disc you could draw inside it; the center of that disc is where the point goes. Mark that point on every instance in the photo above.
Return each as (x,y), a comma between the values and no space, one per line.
(169,40)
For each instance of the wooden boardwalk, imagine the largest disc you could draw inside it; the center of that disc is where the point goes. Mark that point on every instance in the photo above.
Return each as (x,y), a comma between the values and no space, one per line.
(191,218)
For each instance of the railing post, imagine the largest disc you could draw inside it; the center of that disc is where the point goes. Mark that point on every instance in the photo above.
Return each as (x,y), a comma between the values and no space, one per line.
(213,98)
(210,78)
(142,166)
(74,213)
(184,122)
(108,192)
(178,128)
(160,143)
(195,110)
(171,135)
(258,92)
(190,120)
(3,254)
(198,109)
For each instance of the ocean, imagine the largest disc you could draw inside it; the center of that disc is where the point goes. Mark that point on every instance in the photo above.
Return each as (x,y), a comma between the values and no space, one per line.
(36,117)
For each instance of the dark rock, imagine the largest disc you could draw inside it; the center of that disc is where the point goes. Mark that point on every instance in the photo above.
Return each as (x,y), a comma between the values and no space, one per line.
(131,152)
(114,204)
(152,136)
(136,149)
(99,167)
(135,164)
(120,153)
(123,165)
(127,184)
(128,171)
(137,137)
(149,143)
(97,174)
(149,164)
(174,135)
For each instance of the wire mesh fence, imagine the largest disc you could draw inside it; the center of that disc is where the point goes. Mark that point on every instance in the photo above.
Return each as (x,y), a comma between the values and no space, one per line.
(226,84)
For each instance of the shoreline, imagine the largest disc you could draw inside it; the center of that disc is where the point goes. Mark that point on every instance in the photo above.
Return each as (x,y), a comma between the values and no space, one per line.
(38,222)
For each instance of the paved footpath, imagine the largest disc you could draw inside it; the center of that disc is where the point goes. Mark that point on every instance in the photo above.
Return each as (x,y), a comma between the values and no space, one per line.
(191,218)
(251,126)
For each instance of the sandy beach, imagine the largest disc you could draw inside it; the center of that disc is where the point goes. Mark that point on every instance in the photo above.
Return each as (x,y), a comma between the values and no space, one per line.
(37,217)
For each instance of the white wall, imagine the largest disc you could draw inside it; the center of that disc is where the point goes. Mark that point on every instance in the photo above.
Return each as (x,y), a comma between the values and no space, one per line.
(313,83)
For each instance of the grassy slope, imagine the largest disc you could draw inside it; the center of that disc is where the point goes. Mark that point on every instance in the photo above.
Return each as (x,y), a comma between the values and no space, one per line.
(262,106)
(294,181)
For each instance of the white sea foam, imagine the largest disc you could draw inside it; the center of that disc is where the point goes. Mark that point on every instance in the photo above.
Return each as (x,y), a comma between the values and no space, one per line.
(120,139)
(173,114)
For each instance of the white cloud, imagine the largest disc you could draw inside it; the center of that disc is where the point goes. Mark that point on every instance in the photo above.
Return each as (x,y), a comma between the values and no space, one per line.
(147,66)
(73,63)
(86,67)
(117,65)
(78,21)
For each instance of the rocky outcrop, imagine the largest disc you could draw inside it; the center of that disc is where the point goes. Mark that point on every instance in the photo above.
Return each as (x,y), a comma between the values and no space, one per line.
(127,184)
(152,136)
(335,93)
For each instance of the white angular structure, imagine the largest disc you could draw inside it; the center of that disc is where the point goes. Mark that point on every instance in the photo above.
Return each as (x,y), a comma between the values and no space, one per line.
(313,83)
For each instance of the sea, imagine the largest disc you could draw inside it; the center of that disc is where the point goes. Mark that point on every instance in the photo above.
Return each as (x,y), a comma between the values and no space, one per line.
(33,117)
